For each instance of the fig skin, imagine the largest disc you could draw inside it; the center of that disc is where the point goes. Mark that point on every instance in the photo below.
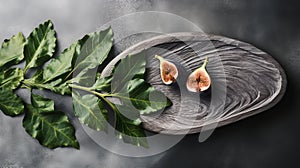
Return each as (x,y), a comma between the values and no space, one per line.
(168,70)
(199,80)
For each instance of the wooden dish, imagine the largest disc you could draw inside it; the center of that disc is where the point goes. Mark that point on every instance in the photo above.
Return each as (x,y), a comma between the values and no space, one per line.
(245,81)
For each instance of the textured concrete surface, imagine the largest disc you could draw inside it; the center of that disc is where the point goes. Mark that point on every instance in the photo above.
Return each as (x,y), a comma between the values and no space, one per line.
(270,139)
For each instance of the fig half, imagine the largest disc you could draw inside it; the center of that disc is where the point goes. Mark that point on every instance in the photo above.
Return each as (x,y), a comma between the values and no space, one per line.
(199,80)
(168,70)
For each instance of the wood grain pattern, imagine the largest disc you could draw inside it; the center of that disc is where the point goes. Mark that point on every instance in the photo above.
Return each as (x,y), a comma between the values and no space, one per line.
(245,81)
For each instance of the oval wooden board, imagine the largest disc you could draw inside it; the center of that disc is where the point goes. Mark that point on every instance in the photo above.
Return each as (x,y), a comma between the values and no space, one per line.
(245,81)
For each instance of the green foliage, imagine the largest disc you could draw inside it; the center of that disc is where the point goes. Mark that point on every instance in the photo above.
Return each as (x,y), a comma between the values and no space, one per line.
(40,45)
(11,51)
(90,111)
(10,103)
(51,128)
(68,74)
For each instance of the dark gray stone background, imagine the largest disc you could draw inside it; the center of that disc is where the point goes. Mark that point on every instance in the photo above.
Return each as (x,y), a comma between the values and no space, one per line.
(270,139)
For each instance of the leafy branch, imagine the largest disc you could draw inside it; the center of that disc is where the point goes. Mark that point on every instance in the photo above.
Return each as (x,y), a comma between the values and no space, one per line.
(70,74)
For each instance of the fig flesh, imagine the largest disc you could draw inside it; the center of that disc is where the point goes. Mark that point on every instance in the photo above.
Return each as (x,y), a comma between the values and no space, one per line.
(199,80)
(168,70)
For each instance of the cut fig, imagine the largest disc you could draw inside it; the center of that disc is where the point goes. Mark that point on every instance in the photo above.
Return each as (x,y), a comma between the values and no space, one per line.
(168,70)
(199,80)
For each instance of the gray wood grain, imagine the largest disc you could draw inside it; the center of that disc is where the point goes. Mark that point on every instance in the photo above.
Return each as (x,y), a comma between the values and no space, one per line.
(245,81)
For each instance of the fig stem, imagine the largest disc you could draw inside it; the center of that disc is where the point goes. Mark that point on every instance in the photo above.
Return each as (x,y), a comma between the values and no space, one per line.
(205,63)
(159,58)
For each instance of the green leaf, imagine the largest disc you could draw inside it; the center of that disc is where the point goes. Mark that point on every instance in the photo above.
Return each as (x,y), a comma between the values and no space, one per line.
(57,86)
(11,52)
(130,67)
(130,131)
(40,45)
(93,52)
(51,128)
(90,111)
(103,84)
(11,78)
(10,103)
(137,97)
(128,85)
(143,97)
(43,104)
(61,66)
